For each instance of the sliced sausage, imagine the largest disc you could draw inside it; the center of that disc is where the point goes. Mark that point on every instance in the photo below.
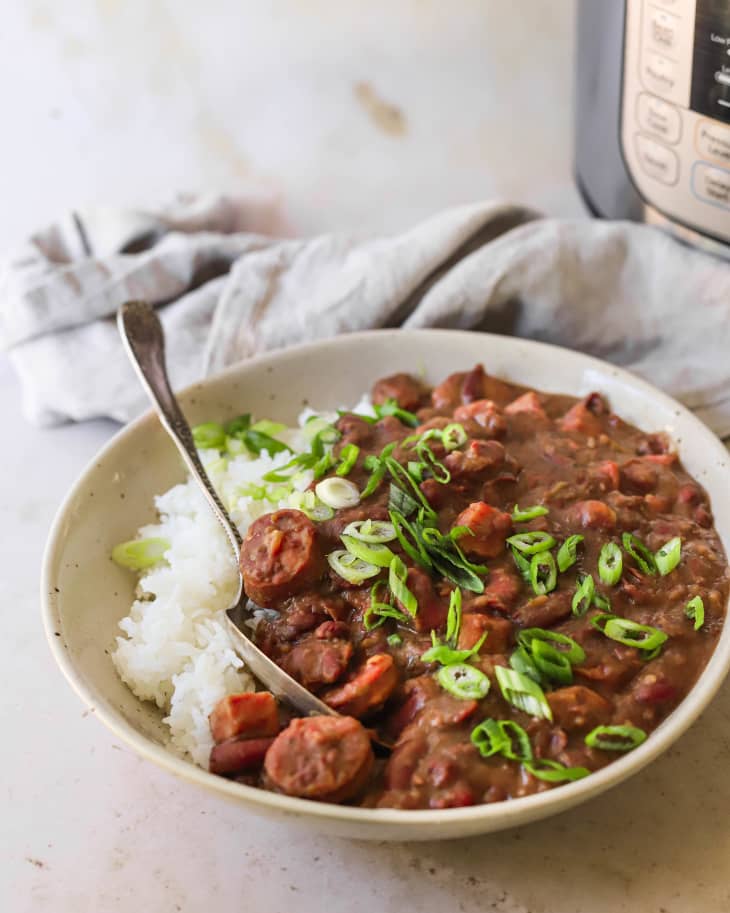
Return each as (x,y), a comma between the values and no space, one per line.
(405,389)
(486,413)
(527,404)
(432,608)
(280,556)
(594,515)
(544,611)
(326,758)
(500,593)
(252,714)
(477,458)
(369,688)
(578,707)
(355,430)
(238,756)
(318,661)
(498,631)
(489,526)
(583,416)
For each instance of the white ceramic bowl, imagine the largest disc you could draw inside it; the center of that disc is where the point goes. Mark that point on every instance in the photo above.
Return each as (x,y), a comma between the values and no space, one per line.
(84,594)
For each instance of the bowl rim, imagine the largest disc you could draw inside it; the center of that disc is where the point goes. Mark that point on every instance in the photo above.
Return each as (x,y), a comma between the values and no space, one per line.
(500,814)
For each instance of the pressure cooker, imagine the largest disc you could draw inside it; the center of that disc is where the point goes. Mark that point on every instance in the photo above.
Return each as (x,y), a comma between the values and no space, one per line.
(652,137)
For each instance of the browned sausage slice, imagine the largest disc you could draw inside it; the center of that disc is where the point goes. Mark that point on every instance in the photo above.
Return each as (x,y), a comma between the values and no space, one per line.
(578,707)
(280,556)
(238,756)
(252,714)
(405,389)
(371,686)
(490,527)
(315,661)
(320,757)
(498,631)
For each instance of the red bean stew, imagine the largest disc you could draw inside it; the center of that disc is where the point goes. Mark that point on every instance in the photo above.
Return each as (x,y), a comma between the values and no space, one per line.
(514,587)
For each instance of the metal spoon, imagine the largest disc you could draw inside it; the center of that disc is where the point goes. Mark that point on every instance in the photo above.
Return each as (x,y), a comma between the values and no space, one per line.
(144,341)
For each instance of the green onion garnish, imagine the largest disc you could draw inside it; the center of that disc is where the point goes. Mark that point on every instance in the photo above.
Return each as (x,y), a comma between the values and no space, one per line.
(350,568)
(575,653)
(394,640)
(568,552)
(429,462)
(391,407)
(453,436)
(554,665)
(256,441)
(379,555)
(396,581)
(337,493)
(375,465)
(309,504)
(602,602)
(209,436)
(531,543)
(381,610)
(503,737)
(448,656)
(375,531)
(522,692)
(667,557)
(554,771)
(630,633)
(463,681)
(529,513)
(409,539)
(522,662)
(583,596)
(453,619)
(267,427)
(610,564)
(236,425)
(405,481)
(348,458)
(695,609)
(401,501)
(615,738)
(543,573)
(639,552)
(139,554)
(523,565)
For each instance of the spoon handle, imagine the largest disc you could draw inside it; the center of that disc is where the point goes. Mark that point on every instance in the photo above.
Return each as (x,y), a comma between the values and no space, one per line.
(144,341)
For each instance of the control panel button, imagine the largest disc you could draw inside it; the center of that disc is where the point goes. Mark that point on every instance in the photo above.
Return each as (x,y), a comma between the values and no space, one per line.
(659,74)
(659,118)
(713,141)
(656,160)
(711,184)
(661,29)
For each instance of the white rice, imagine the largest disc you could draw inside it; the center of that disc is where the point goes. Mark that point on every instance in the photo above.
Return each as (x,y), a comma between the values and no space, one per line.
(175,650)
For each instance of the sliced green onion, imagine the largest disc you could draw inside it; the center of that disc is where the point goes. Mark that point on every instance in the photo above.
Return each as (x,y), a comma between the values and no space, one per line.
(639,552)
(529,513)
(139,554)
(667,557)
(391,407)
(488,738)
(309,504)
(380,611)
(350,568)
(256,441)
(436,468)
(401,501)
(575,653)
(584,595)
(412,546)
(453,436)
(568,552)
(348,458)
(553,664)
(376,531)
(465,682)
(521,661)
(394,640)
(267,427)
(532,543)
(554,771)
(338,493)
(320,431)
(615,738)
(416,470)
(375,465)
(610,564)
(403,480)
(234,446)
(379,555)
(522,692)
(695,609)
(630,633)
(543,573)
(236,425)
(209,436)
(453,619)
(523,565)
(602,602)
(396,581)
(448,656)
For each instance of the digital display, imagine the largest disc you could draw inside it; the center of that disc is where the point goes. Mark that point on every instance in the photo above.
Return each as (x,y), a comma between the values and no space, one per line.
(711,62)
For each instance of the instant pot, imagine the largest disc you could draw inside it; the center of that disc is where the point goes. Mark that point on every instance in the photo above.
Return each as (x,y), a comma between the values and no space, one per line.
(653,114)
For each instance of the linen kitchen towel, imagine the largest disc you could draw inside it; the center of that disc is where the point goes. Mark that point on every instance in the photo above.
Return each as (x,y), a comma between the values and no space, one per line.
(624,292)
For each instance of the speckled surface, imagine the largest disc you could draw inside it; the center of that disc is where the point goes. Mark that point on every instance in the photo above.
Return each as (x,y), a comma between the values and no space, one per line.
(133,101)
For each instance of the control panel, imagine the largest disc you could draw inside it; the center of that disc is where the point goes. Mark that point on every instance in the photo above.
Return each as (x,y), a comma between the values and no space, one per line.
(675,121)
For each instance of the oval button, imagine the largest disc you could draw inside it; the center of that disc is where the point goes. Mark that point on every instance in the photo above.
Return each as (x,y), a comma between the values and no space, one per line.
(711,184)
(713,141)
(658,118)
(656,160)
(659,74)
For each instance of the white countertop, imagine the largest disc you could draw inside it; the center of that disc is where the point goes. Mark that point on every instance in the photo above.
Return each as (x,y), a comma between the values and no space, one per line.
(127,102)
